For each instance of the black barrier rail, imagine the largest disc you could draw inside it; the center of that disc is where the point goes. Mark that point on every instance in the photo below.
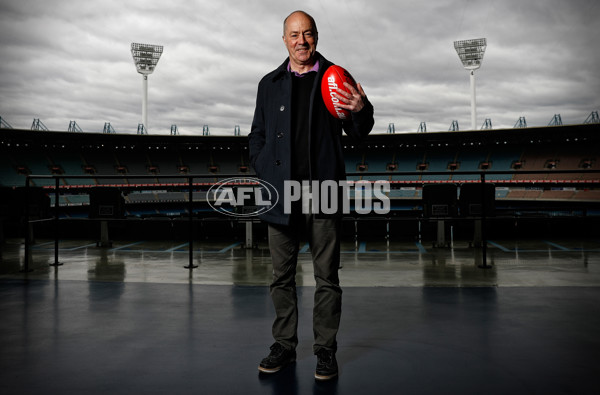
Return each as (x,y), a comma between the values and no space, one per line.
(484,177)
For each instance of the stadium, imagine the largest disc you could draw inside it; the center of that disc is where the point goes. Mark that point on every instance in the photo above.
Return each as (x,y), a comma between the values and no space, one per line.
(125,220)
(136,263)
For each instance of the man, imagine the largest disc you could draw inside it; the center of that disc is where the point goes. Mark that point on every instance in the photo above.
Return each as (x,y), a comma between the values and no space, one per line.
(293,137)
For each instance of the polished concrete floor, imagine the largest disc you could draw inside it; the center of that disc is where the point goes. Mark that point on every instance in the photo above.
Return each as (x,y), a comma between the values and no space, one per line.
(130,319)
(365,263)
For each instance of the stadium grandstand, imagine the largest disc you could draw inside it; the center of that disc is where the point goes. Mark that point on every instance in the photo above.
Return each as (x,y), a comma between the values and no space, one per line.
(538,173)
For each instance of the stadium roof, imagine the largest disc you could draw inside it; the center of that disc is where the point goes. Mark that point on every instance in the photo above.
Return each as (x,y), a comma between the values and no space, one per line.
(14,138)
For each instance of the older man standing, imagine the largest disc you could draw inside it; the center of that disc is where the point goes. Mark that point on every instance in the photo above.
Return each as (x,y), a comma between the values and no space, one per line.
(293,137)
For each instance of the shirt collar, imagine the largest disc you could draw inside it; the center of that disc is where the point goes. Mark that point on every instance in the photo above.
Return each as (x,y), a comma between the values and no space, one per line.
(314,68)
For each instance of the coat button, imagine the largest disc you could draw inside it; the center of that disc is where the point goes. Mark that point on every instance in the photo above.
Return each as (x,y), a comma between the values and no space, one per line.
(279,135)
(281,108)
(277,162)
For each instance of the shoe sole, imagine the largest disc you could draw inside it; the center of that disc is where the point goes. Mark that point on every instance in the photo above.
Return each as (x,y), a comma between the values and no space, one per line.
(325,378)
(274,370)
(269,371)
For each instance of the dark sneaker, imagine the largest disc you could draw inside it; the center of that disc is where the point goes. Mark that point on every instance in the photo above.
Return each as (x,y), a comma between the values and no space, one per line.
(327,367)
(277,359)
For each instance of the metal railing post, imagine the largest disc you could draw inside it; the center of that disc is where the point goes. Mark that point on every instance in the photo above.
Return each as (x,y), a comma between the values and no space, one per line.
(27,235)
(484,264)
(191,265)
(56,212)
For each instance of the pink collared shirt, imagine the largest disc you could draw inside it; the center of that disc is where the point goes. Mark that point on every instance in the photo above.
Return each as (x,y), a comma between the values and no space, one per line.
(297,74)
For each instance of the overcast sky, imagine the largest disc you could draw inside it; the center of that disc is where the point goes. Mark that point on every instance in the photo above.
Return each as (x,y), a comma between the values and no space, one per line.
(66,60)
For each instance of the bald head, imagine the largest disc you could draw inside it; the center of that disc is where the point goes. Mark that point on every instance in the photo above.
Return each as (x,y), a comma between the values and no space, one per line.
(298,13)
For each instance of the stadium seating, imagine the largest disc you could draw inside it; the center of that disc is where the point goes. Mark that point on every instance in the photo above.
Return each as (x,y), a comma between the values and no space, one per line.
(407,161)
(214,160)
(437,162)
(469,161)
(228,162)
(501,159)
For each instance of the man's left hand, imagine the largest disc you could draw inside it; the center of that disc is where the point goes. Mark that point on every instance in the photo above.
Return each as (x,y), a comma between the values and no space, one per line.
(351,98)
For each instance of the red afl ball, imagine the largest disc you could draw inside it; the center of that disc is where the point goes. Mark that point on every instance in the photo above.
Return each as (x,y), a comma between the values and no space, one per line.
(334,79)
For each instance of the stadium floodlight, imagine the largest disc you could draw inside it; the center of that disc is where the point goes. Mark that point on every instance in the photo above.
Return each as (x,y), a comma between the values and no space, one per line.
(471,53)
(145,57)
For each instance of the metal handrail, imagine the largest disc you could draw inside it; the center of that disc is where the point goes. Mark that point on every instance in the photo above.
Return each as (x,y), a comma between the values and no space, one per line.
(190,185)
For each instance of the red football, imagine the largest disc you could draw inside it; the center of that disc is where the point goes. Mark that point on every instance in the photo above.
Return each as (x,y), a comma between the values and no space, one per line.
(334,78)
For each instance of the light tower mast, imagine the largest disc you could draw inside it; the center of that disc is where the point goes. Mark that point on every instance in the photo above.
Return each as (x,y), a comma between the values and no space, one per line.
(471,53)
(145,57)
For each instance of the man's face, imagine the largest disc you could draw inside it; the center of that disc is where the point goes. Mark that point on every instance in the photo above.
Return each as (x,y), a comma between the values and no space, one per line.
(300,38)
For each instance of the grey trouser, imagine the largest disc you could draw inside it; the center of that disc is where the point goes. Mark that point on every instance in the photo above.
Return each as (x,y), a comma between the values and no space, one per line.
(323,236)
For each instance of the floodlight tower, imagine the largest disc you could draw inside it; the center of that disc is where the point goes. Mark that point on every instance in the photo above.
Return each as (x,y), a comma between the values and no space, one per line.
(471,53)
(145,57)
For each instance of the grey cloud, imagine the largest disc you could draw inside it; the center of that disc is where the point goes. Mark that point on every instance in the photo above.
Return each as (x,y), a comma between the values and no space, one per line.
(66,59)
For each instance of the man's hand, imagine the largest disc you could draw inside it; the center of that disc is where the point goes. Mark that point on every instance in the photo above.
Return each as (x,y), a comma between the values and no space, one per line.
(352,99)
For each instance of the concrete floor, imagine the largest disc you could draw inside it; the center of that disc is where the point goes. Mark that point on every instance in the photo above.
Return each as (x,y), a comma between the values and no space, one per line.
(416,320)
(365,264)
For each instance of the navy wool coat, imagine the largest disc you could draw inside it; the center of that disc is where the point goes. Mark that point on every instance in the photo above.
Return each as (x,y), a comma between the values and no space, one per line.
(271,142)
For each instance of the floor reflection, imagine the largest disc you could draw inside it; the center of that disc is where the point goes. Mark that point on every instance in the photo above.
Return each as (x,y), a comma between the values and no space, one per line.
(373,263)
